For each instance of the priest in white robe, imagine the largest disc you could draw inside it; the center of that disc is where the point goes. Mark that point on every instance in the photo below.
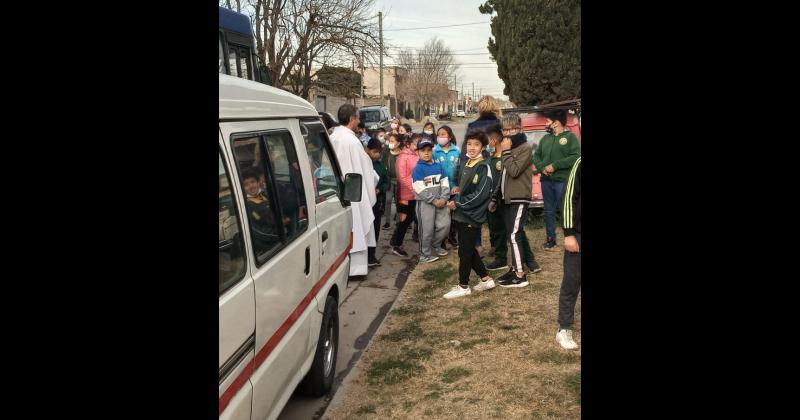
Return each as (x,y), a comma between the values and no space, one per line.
(353,159)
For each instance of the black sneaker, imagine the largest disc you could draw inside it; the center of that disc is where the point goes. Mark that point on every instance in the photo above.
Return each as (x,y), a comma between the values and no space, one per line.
(496,265)
(386,226)
(373,263)
(550,244)
(400,252)
(534,267)
(514,281)
(507,276)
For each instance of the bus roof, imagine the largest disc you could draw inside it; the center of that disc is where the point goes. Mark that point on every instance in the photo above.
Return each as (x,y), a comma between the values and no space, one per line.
(245,99)
(236,22)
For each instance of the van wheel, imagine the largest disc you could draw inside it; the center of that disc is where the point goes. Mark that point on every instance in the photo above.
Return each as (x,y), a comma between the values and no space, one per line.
(319,379)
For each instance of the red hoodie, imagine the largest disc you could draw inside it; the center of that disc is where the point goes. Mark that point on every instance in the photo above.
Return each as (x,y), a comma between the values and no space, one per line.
(406,161)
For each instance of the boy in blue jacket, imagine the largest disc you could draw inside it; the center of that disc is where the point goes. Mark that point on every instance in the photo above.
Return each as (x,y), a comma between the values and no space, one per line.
(431,190)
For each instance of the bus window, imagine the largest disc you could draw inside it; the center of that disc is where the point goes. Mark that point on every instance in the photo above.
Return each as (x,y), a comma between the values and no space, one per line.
(221,56)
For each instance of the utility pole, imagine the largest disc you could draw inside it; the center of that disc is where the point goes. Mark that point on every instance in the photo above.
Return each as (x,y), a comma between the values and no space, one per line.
(473,91)
(362,76)
(380,30)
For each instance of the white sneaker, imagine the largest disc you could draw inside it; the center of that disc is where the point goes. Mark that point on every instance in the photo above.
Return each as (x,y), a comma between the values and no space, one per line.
(484,285)
(564,338)
(457,292)
(440,252)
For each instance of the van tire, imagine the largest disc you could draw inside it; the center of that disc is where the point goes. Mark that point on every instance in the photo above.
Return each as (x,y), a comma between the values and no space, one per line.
(319,380)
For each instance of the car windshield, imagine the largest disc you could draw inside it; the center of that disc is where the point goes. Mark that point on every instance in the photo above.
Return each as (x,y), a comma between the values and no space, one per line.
(370,116)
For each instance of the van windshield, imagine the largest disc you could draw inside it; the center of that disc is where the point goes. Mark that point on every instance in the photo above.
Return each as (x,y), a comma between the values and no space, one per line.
(370,116)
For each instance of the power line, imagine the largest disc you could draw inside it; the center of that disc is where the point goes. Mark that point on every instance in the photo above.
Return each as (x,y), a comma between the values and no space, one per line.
(422,48)
(437,27)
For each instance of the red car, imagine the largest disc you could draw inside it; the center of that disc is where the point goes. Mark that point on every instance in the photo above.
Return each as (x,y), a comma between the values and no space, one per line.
(533,123)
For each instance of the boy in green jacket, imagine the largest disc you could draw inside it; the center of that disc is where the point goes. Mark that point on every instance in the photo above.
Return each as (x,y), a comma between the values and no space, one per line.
(469,205)
(557,152)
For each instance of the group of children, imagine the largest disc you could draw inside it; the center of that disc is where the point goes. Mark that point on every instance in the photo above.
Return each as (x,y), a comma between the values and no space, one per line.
(450,199)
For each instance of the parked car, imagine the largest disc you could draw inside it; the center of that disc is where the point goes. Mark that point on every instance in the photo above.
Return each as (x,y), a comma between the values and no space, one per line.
(461,113)
(375,117)
(445,115)
(533,125)
(284,242)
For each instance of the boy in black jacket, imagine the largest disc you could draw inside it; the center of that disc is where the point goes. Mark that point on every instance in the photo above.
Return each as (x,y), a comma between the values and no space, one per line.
(469,205)
(571,283)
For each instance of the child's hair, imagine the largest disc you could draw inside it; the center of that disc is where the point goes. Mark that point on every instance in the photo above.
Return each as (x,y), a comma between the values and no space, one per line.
(414,138)
(407,127)
(557,115)
(429,124)
(495,131)
(396,138)
(488,105)
(380,130)
(449,134)
(251,172)
(476,134)
(511,121)
(374,144)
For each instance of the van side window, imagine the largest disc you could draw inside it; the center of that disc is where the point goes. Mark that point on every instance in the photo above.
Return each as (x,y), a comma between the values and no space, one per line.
(326,176)
(256,183)
(231,245)
(290,189)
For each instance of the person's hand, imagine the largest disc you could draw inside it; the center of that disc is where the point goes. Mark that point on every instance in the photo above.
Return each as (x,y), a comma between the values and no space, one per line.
(286,220)
(505,144)
(549,169)
(451,204)
(492,207)
(455,190)
(404,202)
(571,244)
(439,203)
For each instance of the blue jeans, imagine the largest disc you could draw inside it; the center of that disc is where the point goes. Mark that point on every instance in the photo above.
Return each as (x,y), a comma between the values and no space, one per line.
(552,192)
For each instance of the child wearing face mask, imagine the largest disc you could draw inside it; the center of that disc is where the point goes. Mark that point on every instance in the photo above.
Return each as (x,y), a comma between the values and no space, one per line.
(395,125)
(447,154)
(428,128)
(390,162)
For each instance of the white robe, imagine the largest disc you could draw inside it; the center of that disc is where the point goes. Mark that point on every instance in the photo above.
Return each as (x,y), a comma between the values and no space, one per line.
(353,159)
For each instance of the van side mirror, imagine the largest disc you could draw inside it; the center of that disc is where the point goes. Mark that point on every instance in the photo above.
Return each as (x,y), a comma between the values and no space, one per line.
(352,188)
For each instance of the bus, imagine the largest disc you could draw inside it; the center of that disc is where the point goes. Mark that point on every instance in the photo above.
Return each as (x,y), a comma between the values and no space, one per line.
(237,52)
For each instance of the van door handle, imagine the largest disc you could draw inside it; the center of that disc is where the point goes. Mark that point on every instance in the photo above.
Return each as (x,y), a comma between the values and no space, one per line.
(324,236)
(308,260)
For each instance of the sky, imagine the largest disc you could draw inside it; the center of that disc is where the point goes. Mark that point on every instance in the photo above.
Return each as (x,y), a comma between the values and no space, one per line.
(472,39)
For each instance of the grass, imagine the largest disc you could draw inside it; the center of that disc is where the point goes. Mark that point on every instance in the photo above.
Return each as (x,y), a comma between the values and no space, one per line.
(472,343)
(453,374)
(393,370)
(444,359)
(410,331)
(556,356)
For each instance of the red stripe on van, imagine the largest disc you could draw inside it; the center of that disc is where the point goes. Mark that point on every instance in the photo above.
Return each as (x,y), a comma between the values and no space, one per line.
(273,341)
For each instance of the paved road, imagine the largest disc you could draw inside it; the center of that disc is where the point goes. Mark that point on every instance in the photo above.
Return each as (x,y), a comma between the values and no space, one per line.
(366,302)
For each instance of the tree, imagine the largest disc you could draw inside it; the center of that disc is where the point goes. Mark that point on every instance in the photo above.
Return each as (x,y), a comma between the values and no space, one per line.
(296,38)
(427,73)
(340,81)
(537,47)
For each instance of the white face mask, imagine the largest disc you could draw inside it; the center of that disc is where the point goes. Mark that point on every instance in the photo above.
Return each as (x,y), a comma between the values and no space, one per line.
(392,146)
(428,131)
(443,141)
(471,156)
(382,139)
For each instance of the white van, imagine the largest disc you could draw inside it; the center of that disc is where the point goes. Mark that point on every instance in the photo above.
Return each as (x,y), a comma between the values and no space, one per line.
(284,242)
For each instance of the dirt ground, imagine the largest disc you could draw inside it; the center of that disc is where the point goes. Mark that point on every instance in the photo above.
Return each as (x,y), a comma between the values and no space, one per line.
(492,354)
